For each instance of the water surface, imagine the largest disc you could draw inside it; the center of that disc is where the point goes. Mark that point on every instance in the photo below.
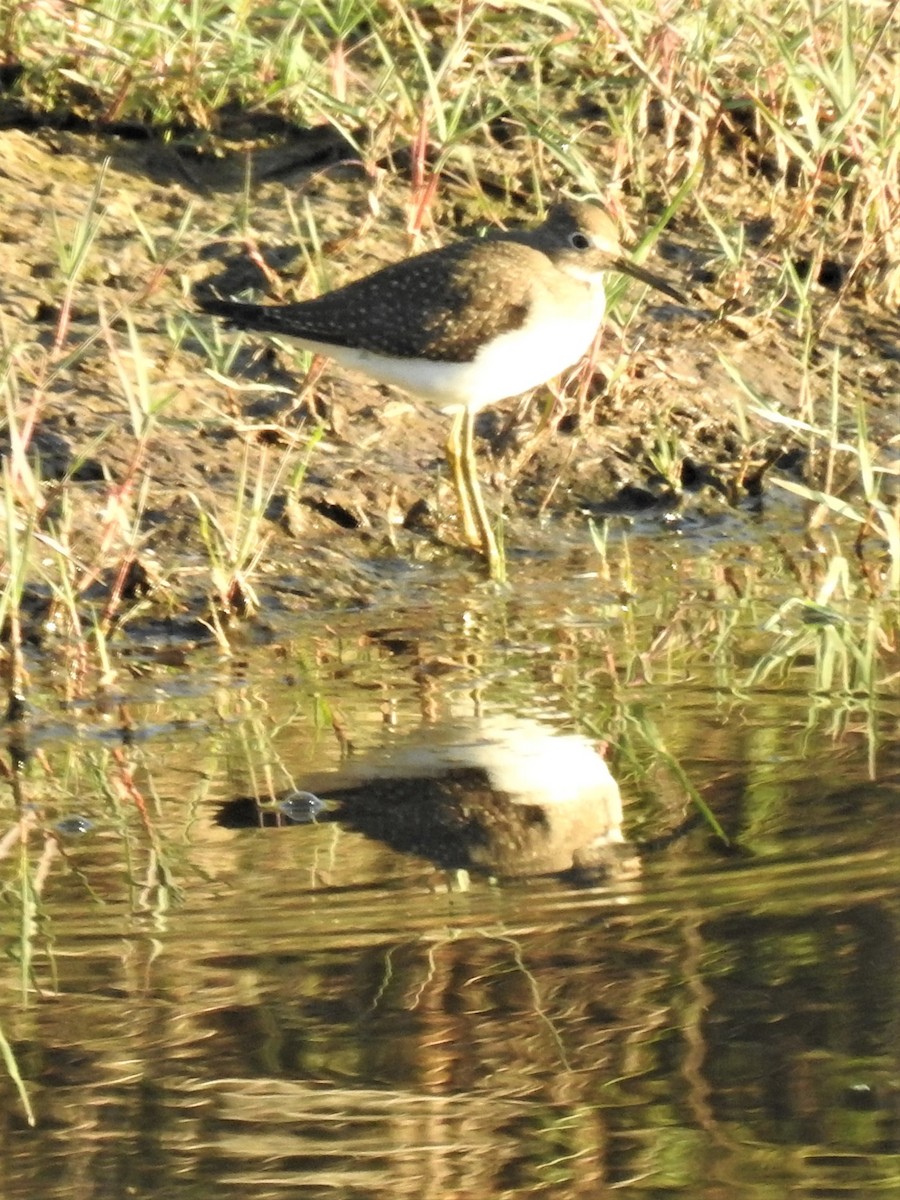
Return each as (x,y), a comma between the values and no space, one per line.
(310,1010)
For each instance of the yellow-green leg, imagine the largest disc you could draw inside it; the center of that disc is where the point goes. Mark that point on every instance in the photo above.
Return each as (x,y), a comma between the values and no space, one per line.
(475,520)
(454,458)
(487,541)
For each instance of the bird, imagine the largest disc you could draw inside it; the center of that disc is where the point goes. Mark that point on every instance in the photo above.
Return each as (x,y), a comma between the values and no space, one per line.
(465,326)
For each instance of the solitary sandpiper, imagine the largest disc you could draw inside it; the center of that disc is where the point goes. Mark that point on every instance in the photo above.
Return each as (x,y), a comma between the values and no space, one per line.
(462,327)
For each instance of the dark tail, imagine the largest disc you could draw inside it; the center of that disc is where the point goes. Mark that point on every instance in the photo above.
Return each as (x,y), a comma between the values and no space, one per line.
(246,316)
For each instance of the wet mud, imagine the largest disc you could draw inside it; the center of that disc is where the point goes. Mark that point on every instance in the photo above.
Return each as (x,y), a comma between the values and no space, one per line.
(658,427)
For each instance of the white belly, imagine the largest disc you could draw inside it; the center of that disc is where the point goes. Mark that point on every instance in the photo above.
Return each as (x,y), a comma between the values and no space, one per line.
(514,363)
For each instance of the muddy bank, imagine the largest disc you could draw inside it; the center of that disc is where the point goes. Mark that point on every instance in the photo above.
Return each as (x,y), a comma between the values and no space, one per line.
(661,426)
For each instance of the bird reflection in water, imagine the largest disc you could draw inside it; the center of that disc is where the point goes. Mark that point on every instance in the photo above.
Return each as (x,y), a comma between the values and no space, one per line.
(506,796)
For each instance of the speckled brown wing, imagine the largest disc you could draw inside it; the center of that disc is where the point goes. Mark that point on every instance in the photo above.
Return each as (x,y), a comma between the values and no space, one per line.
(423,307)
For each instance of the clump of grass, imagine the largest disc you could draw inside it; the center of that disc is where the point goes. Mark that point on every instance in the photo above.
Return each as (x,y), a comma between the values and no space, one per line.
(801,98)
(41,539)
(843,480)
(236,542)
(19,543)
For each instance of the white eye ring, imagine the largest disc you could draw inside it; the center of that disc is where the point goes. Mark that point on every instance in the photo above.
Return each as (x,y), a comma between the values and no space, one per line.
(580,241)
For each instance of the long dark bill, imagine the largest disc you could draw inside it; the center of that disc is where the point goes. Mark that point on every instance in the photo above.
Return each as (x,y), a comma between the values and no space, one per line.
(626,267)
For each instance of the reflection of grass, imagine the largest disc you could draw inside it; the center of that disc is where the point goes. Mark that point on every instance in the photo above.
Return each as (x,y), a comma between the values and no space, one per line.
(22,886)
(712,650)
(830,644)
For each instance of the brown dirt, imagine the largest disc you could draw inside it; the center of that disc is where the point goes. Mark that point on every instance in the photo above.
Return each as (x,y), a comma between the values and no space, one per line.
(375,489)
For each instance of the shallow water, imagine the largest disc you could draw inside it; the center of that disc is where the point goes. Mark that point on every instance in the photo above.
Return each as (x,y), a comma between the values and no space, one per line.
(310,1010)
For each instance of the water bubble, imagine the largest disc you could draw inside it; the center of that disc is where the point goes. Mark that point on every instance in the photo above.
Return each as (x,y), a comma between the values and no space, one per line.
(301,808)
(74,826)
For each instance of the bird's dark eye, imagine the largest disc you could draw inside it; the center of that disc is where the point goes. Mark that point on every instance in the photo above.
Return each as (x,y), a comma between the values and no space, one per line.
(580,241)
